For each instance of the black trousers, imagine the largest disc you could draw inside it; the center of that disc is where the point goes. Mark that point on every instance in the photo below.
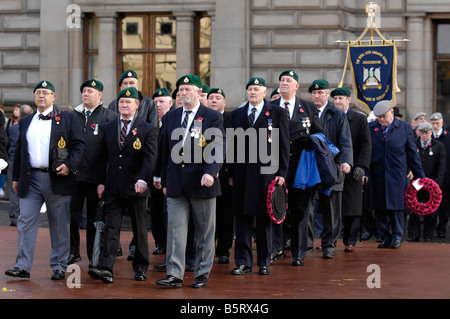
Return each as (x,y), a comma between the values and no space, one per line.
(158,213)
(224,223)
(85,193)
(137,209)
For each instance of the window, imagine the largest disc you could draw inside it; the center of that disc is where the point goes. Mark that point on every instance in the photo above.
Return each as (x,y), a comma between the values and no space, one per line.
(91,34)
(147,44)
(202,31)
(442,68)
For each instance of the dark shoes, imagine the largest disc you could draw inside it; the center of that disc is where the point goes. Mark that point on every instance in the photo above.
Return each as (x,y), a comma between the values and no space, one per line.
(17,272)
(387,244)
(101,274)
(159,251)
(298,261)
(240,270)
(200,282)
(58,275)
(73,259)
(264,270)
(223,260)
(140,276)
(277,255)
(170,281)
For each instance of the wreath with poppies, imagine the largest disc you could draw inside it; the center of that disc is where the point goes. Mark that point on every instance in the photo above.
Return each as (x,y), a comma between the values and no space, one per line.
(425,200)
(276,199)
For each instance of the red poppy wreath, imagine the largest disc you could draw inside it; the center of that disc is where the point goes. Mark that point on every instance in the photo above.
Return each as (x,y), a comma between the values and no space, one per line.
(429,199)
(277,201)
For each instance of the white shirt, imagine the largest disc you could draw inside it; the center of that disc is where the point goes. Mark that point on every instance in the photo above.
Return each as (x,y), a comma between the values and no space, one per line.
(290,105)
(321,110)
(437,134)
(38,139)
(129,124)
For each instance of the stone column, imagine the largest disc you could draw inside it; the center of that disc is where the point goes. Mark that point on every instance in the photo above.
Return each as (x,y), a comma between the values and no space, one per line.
(107,48)
(415,62)
(76,64)
(185,42)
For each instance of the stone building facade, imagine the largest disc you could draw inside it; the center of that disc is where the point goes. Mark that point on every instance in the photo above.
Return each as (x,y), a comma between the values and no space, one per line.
(46,39)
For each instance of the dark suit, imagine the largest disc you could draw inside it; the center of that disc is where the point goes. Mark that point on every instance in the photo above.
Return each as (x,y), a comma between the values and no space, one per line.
(337,130)
(36,187)
(300,200)
(181,174)
(124,167)
(250,182)
(391,159)
(352,196)
(87,177)
(444,208)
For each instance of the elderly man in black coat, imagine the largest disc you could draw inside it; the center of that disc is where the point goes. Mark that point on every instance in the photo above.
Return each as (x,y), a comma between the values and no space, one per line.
(337,130)
(353,183)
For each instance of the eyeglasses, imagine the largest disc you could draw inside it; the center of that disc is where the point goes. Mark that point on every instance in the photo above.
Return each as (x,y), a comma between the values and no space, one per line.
(44,93)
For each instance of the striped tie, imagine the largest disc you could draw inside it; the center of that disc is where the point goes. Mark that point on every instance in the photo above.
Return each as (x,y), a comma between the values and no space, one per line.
(251,116)
(123,132)
(186,119)
(383,130)
(287,110)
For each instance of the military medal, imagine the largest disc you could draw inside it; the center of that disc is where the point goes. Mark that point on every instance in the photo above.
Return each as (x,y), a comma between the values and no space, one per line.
(95,128)
(431,152)
(269,133)
(195,132)
(61,143)
(137,144)
(306,123)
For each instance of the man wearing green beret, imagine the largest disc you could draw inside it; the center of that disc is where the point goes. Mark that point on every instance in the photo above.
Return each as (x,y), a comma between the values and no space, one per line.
(303,121)
(91,115)
(190,183)
(352,195)
(275,94)
(337,130)
(204,95)
(147,108)
(48,154)
(129,157)
(251,176)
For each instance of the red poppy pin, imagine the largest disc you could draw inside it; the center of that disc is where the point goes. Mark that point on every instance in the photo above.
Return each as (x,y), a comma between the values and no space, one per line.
(302,110)
(57,119)
(200,119)
(376,129)
(134,131)
(429,144)
(267,113)
(93,126)
(445,132)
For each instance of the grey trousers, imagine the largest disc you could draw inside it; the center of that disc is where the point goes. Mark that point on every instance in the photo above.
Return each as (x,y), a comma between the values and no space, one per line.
(58,211)
(204,217)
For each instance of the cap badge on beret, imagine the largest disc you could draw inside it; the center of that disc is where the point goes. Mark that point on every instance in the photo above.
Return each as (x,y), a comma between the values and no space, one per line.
(291,73)
(316,86)
(256,81)
(219,91)
(93,83)
(130,74)
(186,80)
(128,93)
(159,93)
(44,84)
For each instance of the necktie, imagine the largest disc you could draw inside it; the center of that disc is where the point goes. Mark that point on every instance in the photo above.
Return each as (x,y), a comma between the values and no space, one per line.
(186,119)
(251,116)
(50,115)
(123,132)
(87,113)
(286,104)
(383,130)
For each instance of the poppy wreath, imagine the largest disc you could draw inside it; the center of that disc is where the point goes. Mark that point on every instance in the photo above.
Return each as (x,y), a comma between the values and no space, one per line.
(431,205)
(273,204)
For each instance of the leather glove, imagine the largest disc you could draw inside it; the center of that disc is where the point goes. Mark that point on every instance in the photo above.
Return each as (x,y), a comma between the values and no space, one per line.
(358,173)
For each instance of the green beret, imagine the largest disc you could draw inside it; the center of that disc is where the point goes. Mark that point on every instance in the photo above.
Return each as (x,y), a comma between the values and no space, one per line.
(275,91)
(256,81)
(130,92)
(320,84)
(189,79)
(341,91)
(161,92)
(92,83)
(127,74)
(44,85)
(174,94)
(205,88)
(216,90)
(289,73)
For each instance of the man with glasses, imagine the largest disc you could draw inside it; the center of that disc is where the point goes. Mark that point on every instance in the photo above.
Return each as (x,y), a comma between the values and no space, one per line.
(39,175)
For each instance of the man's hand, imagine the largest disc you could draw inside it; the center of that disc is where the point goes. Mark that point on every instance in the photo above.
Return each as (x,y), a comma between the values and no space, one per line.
(280,180)
(140,187)
(15,186)
(100,190)
(207,180)
(345,168)
(62,170)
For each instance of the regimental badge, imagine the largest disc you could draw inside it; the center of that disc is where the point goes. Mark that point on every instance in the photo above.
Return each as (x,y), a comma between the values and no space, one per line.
(137,144)
(316,86)
(159,93)
(202,141)
(256,81)
(128,93)
(186,80)
(291,73)
(61,143)
(130,74)
(219,91)
(44,84)
(93,83)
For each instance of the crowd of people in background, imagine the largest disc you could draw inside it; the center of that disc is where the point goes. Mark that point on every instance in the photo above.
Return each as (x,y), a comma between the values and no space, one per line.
(121,155)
